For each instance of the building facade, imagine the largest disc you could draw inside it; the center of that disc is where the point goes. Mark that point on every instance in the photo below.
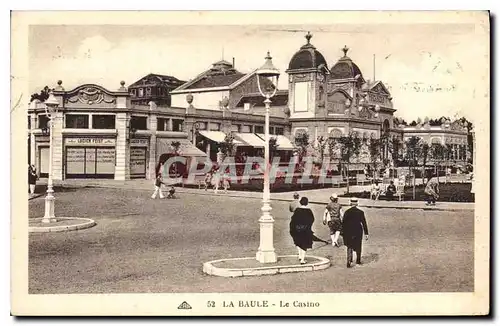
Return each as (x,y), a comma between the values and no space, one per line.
(153,87)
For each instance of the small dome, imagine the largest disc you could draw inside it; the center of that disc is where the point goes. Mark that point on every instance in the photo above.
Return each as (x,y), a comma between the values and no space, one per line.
(345,68)
(307,57)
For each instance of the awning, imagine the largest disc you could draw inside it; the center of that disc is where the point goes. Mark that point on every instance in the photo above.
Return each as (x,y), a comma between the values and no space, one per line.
(284,144)
(249,139)
(187,149)
(217,136)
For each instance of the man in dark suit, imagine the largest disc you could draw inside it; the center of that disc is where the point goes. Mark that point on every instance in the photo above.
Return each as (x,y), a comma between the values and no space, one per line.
(353,226)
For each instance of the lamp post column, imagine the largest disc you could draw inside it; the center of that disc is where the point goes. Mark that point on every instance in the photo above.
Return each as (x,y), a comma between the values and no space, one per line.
(266,253)
(49,198)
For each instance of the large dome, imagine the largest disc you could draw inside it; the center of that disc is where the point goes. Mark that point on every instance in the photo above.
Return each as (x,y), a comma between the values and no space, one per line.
(345,68)
(307,57)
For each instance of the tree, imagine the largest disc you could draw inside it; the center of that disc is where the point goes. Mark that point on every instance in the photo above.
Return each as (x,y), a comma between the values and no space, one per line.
(412,153)
(302,142)
(322,143)
(42,96)
(347,148)
(227,147)
(273,148)
(424,153)
(375,149)
(437,155)
(395,146)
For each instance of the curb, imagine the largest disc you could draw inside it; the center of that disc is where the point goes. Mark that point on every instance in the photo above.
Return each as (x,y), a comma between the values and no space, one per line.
(210,269)
(35,196)
(183,190)
(62,228)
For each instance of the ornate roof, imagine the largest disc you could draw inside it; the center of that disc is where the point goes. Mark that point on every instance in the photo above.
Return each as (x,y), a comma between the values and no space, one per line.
(307,57)
(221,74)
(345,68)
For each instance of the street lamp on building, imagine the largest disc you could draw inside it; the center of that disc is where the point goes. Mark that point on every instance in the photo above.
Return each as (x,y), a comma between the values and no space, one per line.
(51,105)
(267,81)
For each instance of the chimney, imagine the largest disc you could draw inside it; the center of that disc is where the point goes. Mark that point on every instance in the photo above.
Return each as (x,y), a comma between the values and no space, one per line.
(233,62)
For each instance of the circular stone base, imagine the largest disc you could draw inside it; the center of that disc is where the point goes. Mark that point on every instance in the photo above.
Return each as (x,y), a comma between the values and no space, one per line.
(62,224)
(249,266)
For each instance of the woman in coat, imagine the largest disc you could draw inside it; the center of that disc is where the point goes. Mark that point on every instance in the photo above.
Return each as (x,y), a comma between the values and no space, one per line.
(32,177)
(301,228)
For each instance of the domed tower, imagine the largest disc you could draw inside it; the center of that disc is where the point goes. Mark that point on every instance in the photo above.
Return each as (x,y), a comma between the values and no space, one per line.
(344,82)
(307,72)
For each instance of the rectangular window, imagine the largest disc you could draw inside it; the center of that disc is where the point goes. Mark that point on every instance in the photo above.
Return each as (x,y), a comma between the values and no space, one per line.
(259,129)
(177,124)
(162,124)
(235,128)
(279,131)
(133,92)
(29,122)
(139,123)
(75,160)
(246,106)
(202,126)
(77,121)
(246,129)
(148,91)
(105,159)
(301,95)
(103,121)
(141,92)
(213,126)
(43,121)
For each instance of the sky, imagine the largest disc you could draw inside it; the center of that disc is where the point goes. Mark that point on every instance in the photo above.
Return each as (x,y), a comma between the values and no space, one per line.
(430,69)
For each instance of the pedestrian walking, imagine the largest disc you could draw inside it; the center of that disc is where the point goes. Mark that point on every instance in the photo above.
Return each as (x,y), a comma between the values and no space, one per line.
(225,182)
(32,177)
(333,218)
(301,228)
(432,191)
(295,203)
(158,183)
(208,180)
(353,227)
(216,181)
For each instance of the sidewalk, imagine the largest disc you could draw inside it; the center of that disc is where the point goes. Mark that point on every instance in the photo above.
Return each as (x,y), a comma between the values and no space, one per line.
(316,196)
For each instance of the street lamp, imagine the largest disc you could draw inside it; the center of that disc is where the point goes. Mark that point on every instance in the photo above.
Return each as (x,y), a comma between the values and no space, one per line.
(270,75)
(51,105)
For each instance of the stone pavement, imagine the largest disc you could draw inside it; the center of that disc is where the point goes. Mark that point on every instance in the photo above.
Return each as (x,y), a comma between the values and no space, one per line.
(316,196)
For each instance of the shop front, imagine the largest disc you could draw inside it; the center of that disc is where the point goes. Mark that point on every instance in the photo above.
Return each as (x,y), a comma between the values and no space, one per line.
(138,157)
(90,157)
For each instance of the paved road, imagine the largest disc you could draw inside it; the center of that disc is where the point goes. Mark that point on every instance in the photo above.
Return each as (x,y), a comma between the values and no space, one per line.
(145,245)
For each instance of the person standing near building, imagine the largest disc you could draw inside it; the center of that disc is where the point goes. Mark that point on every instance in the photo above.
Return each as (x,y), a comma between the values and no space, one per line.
(216,180)
(432,191)
(333,218)
(295,203)
(353,227)
(301,228)
(158,183)
(32,177)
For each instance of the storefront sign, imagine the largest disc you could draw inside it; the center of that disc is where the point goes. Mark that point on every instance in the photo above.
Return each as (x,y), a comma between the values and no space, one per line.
(88,141)
(137,161)
(139,142)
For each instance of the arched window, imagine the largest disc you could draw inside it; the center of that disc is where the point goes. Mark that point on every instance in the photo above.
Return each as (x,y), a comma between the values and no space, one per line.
(386,126)
(335,133)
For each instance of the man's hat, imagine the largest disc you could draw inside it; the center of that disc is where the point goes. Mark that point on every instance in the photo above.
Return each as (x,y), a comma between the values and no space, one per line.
(296,195)
(334,196)
(354,201)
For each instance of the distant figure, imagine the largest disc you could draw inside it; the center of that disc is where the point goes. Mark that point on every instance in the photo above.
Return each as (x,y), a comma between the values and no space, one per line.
(353,227)
(390,191)
(301,228)
(158,183)
(295,203)
(216,181)
(432,191)
(333,218)
(171,193)
(32,177)
(375,190)
(225,182)
(208,180)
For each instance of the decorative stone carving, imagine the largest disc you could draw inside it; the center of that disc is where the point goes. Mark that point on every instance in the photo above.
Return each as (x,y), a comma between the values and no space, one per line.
(301,77)
(91,95)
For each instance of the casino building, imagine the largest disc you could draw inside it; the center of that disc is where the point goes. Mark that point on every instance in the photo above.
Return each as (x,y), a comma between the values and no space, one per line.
(121,134)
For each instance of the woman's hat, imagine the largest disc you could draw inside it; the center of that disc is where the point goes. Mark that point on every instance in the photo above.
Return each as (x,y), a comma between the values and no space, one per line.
(354,201)
(334,196)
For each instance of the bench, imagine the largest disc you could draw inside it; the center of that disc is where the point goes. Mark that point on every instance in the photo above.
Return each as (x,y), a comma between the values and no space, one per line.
(361,179)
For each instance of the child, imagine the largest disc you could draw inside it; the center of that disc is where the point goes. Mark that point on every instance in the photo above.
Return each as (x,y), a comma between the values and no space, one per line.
(208,180)
(171,192)
(158,183)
